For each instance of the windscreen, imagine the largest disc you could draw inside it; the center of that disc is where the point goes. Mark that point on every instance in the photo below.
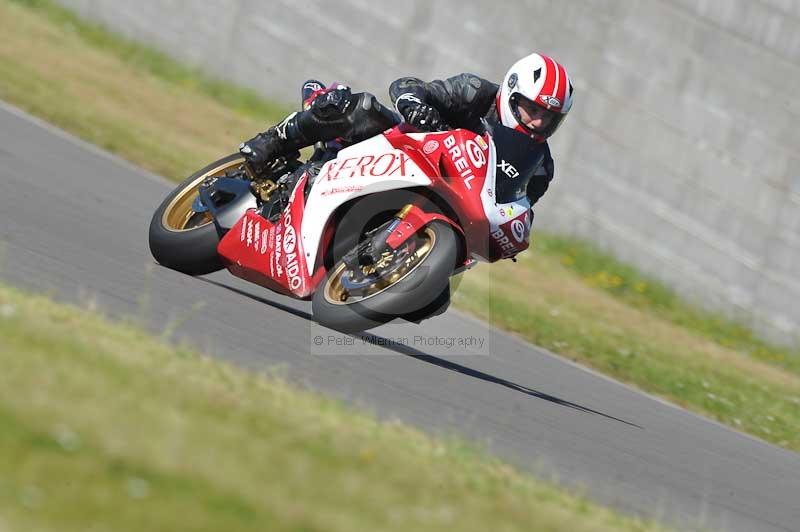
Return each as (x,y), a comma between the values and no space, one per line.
(518,158)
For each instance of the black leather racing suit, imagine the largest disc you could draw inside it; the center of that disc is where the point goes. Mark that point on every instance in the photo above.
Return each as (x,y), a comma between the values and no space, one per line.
(462,101)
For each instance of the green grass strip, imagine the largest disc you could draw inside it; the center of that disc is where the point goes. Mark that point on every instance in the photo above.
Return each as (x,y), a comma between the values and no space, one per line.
(245,101)
(104,428)
(625,282)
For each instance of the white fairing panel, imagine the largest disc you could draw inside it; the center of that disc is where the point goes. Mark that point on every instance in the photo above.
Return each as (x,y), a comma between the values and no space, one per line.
(501,213)
(371,166)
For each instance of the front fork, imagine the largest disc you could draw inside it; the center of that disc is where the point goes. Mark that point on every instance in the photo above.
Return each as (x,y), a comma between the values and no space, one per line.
(392,235)
(413,219)
(371,251)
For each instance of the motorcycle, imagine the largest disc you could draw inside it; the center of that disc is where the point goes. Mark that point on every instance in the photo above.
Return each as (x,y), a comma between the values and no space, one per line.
(369,232)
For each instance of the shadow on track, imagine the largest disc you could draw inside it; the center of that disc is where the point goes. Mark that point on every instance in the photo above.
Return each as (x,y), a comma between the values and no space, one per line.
(430,359)
(274,304)
(464,370)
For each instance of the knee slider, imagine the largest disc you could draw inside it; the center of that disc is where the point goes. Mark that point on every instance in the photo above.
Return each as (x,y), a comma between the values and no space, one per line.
(331,105)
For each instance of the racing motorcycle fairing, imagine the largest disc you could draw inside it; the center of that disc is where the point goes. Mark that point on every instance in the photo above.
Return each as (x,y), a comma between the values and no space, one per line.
(369,167)
(458,168)
(457,161)
(272,254)
(515,159)
(287,256)
(486,191)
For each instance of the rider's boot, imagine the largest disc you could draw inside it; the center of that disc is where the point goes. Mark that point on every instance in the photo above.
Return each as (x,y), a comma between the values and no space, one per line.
(322,120)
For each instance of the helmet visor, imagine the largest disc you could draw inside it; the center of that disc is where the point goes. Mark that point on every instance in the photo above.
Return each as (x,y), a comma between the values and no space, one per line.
(533,117)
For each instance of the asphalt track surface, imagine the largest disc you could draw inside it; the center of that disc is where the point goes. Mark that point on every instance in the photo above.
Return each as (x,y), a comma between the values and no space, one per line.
(74,222)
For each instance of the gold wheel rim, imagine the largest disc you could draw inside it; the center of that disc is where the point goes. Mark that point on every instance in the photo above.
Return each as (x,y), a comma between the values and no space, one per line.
(336,294)
(179,213)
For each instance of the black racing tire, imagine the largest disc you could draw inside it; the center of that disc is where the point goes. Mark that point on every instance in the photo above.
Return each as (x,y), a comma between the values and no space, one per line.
(434,308)
(181,239)
(411,294)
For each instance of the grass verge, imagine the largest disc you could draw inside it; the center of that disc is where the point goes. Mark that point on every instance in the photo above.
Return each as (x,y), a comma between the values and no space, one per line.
(97,434)
(590,318)
(122,96)
(565,295)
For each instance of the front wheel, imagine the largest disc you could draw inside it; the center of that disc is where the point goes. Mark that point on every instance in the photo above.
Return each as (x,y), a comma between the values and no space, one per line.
(181,238)
(404,283)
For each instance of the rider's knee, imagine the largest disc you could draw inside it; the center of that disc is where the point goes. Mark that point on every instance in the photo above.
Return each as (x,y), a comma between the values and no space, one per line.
(333,104)
(340,113)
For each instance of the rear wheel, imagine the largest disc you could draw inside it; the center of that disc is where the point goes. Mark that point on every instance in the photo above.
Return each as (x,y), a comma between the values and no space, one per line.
(404,282)
(181,238)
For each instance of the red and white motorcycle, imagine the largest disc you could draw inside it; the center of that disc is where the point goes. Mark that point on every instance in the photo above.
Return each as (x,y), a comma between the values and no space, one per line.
(371,232)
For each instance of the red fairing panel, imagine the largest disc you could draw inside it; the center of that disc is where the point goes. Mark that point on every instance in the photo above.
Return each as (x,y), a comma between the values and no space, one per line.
(270,255)
(415,220)
(457,163)
(511,237)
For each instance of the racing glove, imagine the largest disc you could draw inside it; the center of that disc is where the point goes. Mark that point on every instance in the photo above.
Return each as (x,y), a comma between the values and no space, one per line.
(418,114)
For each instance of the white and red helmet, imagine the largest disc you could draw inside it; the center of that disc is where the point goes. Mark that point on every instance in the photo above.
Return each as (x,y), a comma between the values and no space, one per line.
(537,86)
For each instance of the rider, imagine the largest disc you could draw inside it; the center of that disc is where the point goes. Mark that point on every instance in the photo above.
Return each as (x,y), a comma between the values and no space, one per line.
(534,98)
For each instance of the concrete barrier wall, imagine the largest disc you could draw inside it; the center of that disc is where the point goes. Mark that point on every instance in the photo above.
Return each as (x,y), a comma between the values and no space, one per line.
(680,154)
